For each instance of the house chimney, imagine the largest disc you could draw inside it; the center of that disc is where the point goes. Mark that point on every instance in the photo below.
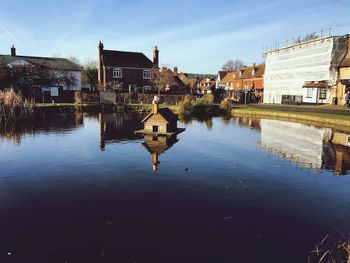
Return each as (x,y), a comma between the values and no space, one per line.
(155,105)
(156,57)
(176,69)
(13,51)
(155,108)
(100,65)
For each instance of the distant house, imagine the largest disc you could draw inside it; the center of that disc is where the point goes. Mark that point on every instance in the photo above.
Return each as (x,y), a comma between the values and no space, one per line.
(304,72)
(177,84)
(126,71)
(43,87)
(244,84)
(206,85)
(160,121)
(219,83)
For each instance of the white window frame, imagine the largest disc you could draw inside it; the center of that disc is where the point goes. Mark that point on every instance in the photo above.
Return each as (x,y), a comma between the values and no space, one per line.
(147,88)
(323,91)
(118,87)
(117,73)
(309,93)
(146,74)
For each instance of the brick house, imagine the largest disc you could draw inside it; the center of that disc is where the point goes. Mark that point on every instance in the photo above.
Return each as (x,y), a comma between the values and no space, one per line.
(125,71)
(246,79)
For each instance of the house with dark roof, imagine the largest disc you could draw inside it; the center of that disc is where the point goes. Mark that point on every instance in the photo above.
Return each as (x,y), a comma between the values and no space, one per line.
(160,121)
(42,87)
(125,71)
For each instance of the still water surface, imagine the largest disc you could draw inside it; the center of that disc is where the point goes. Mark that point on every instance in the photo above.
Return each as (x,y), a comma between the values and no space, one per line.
(83,188)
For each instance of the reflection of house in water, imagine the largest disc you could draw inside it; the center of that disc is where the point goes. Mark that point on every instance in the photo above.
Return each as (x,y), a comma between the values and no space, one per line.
(253,123)
(341,146)
(160,131)
(116,127)
(41,122)
(157,145)
(308,146)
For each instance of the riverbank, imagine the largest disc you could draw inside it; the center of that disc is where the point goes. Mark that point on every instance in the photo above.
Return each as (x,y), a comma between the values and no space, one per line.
(334,117)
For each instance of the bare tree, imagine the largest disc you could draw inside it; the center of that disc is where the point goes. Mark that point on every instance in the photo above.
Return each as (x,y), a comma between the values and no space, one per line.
(162,79)
(26,76)
(74,60)
(307,37)
(232,65)
(90,73)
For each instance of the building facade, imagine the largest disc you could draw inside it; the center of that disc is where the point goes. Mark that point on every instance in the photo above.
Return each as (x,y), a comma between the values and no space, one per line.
(47,79)
(126,71)
(304,72)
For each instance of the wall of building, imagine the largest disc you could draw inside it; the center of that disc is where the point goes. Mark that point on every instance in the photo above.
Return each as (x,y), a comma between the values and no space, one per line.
(288,69)
(302,144)
(156,120)
(340,89)
(129,76)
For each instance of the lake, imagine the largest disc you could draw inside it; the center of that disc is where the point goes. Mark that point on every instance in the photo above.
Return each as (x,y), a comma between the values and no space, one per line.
(84,188)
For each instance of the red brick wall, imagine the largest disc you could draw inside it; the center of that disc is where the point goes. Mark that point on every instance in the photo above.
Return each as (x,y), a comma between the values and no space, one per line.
(130,76)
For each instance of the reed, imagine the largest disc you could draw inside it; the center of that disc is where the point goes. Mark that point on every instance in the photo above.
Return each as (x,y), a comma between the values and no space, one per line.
(13,107)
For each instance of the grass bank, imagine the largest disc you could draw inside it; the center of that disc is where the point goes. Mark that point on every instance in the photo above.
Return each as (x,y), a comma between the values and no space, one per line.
(318,118)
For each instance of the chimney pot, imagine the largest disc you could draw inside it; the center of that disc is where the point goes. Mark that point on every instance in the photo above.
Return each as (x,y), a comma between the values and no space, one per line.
(13,51)
(156,57)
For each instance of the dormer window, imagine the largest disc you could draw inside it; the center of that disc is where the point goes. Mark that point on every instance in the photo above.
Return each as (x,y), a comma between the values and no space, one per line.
(147,74)
(117,73)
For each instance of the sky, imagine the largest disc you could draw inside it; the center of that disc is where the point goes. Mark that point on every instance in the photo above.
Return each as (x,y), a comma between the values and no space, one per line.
(196,36)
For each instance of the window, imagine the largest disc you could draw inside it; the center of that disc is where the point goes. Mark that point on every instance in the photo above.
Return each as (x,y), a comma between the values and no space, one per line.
(309,93)
(155,128)
(323,94)
(117,73)
(147,74)
(118,87)
(147,88)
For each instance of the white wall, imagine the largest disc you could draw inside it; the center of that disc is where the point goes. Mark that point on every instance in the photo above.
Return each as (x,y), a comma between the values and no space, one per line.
(295,141)
(287,70)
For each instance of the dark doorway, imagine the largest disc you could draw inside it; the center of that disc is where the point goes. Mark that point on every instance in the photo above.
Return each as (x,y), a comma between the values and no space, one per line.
(155,128)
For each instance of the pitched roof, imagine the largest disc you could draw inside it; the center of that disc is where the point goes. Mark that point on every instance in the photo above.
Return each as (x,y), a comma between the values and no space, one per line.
(222,74)
(260,72)
(166,113)
(230,76)
(115,58)
(345,63)
(52,63)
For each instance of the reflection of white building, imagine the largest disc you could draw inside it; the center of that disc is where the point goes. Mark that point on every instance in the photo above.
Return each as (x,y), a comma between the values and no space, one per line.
(294,141)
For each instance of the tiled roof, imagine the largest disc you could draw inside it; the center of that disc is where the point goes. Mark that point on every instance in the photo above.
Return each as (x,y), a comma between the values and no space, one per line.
(166,113)
(52,63)
(260,72)
(222,74)
(230,76)
(345,63)
(112,58)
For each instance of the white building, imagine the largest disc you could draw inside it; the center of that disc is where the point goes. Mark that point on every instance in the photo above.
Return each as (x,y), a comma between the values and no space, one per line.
(302,144)
(304,72)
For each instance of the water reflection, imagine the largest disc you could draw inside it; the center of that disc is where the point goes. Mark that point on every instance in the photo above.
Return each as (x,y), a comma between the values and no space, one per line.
(157,145)
(41,122)
(116,127)
(307,146)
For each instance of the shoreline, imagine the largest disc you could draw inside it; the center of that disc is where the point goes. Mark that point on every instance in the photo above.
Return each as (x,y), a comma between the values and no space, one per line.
(340,122)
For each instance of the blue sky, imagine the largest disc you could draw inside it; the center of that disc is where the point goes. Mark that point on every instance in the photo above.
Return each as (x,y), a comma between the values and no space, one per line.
(197,36)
